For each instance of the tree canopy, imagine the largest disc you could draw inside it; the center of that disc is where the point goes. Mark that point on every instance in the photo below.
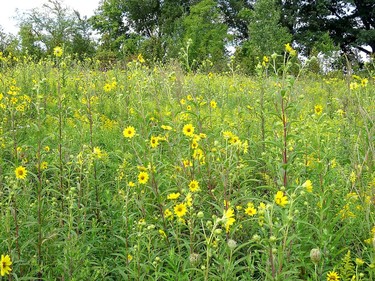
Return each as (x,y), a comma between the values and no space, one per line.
(161,29)
(53,24)
(350,24)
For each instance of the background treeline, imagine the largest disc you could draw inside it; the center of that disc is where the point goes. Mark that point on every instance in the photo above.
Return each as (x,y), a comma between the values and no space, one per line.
(199,34)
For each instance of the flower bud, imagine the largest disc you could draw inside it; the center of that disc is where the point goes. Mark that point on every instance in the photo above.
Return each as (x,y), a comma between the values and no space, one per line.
(200,214)
(218,231)
(315,255)
(359,261)
(209,224)
(232,244)
(256,237)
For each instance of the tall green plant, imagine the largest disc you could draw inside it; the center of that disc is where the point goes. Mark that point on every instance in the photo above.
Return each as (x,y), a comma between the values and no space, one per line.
(207,31)
(266,34)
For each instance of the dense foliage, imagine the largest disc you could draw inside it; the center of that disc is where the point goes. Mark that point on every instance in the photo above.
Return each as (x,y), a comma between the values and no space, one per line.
(215,29)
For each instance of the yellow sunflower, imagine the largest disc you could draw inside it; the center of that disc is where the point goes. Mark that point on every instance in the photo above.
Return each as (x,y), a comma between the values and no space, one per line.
(308,185)
(173,196)
(20,172)
(280,199)
(58,51)
(142,177)
(107,87)
(333,276)
(180,210)
(250,210)
(129,132)
(318,109)
(194,144)
(5,264)
(168,214)
(228,218)
(194,186)
(188,130)
(154,141)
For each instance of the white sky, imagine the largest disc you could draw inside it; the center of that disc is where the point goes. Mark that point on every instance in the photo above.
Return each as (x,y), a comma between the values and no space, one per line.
(8,10)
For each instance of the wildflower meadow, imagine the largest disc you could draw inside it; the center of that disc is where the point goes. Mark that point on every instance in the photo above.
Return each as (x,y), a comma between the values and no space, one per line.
(140,172)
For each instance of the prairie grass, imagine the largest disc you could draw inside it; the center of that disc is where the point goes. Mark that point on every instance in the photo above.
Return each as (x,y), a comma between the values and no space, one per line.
(139,173)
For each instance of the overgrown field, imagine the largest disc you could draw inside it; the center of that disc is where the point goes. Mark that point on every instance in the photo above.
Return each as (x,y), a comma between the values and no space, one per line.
(140,173)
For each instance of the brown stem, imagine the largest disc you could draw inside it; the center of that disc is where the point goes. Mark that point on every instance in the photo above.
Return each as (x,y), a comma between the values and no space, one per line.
(273,269)
(160,206)
(39,175)
(89,113)
(285,133)
(17,227)
(60,149)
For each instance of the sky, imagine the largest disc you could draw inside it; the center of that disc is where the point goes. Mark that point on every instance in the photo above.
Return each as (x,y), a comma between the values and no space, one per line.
(8,10)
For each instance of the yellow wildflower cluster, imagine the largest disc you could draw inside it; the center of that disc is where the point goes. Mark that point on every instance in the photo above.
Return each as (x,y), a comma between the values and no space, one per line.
(250,209)
(173,196)
(97,153)
(289,49)
(281,199)
(228,218)
(308,186)
(265,61)
(235,141)
(109,86)
(107,123)
(359,82)
(141,59)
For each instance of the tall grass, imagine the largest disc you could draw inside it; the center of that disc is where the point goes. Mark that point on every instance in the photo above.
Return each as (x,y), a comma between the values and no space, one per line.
(226,177)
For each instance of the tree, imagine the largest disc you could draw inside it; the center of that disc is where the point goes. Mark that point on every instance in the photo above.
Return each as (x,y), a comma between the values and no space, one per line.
(148,26)
(42,29)
(29,41)
(81,43)
(205,28)
(349,23)
(109,21)
(266,34)
(232,9)
(8,43)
